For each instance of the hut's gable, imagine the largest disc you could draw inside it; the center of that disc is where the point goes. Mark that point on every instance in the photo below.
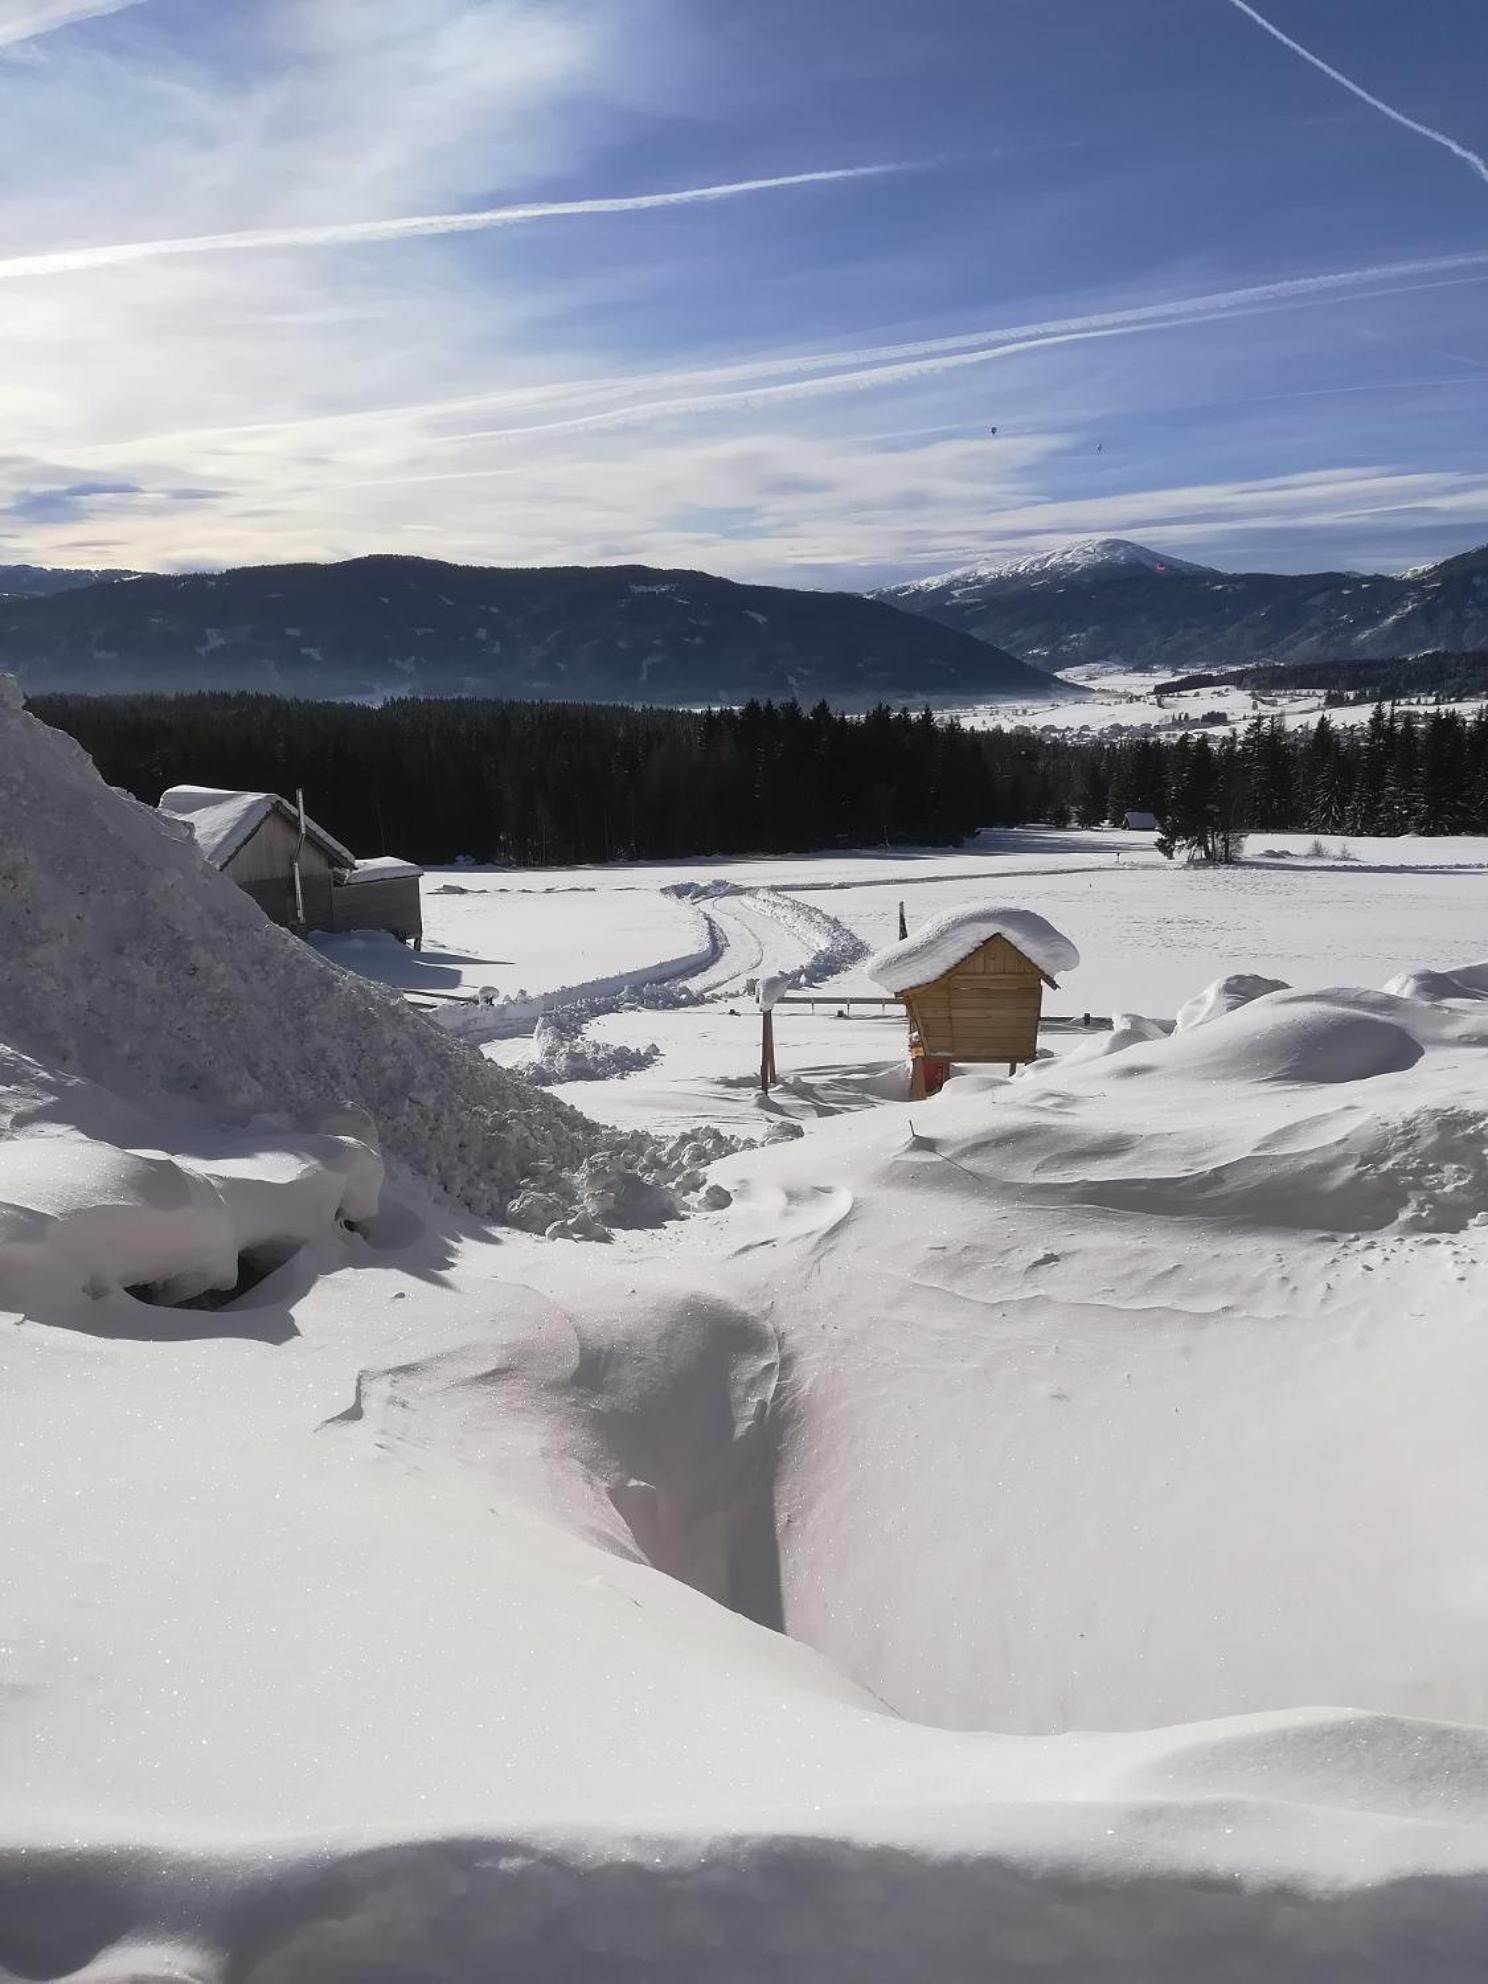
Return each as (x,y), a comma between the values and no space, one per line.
(267,855)
(945,941)
(224,822)
(972,982)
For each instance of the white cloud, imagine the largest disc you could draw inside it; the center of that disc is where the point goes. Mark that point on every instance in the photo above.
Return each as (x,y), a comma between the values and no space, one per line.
(23,20)
(327,399)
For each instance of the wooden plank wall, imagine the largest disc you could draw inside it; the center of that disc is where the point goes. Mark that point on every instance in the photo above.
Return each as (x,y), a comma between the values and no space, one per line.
(985,1009)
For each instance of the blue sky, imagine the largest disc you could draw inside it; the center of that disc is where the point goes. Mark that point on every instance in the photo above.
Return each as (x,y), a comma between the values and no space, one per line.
(307,278)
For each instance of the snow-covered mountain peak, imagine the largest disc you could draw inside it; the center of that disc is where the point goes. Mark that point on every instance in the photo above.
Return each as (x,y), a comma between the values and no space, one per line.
(1090,557)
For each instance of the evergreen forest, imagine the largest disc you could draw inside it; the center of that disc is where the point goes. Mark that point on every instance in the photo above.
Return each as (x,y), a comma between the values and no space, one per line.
(539,784)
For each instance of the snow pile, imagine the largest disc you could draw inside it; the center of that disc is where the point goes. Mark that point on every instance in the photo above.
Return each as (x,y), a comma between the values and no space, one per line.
(88,1228)
(564,1051)
(132,962)
(635,1181)
(948,939)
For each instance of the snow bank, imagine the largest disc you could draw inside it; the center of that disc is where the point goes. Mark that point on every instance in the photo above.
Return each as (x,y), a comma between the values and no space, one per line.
(942,943)
(131,961)
(564,1051)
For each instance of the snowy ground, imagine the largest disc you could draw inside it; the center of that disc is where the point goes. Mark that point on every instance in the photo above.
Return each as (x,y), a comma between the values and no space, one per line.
(1150,934)
(1124,702)
(727,1598)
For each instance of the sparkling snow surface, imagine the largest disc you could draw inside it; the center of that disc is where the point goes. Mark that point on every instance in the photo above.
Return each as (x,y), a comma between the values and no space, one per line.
(738,1599)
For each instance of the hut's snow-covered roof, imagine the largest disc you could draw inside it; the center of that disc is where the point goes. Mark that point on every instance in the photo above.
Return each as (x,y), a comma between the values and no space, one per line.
(381,868)
(947,940)
(224,821)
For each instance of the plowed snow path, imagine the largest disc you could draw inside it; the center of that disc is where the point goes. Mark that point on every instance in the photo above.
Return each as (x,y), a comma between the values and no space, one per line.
(765,930)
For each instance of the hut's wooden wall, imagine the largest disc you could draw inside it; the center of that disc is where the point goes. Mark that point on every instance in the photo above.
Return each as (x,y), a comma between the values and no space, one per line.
(264,868)
(985,1009)
(392,904)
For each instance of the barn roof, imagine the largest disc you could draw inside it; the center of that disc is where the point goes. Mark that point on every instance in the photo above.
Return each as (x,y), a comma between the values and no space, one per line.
(381,868)
(947,940)
(224,821)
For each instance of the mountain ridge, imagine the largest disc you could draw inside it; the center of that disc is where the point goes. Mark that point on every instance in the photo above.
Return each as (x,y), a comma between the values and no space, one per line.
(386,625)
(1144,609)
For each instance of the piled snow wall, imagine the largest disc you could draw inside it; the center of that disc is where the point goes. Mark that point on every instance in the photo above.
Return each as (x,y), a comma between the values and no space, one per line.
(131,962)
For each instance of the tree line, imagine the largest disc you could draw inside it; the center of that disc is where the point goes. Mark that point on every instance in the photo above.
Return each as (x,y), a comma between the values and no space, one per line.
(541,784)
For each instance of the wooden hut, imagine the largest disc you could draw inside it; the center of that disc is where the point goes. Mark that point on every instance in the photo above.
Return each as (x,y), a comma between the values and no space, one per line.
(303,880)
(972,982)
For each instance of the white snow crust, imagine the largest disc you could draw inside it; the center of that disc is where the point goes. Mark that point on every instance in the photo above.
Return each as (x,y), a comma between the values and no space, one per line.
(924,1562)
(942,943)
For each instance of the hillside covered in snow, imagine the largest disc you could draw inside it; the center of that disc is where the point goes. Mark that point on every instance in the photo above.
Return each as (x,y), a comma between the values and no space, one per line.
(1032,1533)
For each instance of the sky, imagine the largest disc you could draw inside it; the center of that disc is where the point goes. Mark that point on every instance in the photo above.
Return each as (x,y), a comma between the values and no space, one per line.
(742,285)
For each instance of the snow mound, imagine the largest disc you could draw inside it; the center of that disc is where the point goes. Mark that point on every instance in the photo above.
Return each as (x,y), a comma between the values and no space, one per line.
(1225,995)
(132,962)
(942,943)
(1468,981)
(563,1050)
(1337,1110)
(1290,1038)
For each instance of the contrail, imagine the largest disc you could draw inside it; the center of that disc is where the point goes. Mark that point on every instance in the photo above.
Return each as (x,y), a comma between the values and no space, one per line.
(68,261)
(23,20)
(1478,164)
(802,374)
(876,366)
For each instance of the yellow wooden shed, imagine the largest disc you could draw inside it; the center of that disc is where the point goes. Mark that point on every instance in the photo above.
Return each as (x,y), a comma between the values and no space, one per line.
(972,982)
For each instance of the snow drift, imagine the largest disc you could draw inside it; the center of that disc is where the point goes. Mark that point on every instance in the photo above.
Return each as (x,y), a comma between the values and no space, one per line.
(130,961)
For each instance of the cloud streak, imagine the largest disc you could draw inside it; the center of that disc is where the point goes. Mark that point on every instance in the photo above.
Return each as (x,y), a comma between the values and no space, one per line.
(23,20)
(881,365)
(1469,158)
(73,261)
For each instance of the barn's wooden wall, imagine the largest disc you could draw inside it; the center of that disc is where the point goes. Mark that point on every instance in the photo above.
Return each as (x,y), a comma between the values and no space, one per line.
(985,1009)
(392,904)
(264,867)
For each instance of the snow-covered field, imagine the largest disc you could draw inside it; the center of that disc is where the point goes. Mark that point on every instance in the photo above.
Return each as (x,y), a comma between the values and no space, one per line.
(1125,702)
(1035,1533)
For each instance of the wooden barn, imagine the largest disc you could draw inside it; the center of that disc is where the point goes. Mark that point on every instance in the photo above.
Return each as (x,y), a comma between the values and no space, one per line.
(305,880)
(972,982)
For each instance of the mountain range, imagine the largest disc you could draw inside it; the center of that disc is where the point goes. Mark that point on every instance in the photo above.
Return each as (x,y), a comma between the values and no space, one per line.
(384,626)
(1114,602)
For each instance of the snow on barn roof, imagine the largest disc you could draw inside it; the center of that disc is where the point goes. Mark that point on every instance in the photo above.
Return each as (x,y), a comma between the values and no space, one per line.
(381,868)
(946,940)
(223,821)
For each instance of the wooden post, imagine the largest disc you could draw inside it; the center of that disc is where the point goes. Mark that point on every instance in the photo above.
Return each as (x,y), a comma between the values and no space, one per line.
(767,1050)
(903,926)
